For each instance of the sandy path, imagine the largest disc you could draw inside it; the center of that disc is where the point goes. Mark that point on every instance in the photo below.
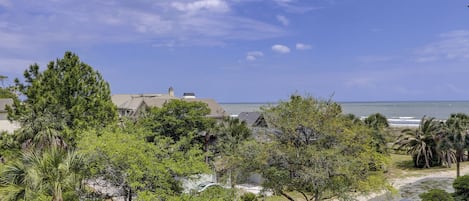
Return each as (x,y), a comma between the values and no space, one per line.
(399,182)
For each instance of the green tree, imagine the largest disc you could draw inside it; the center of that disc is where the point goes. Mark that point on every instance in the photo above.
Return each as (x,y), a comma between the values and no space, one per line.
(41,131)
(140,168)
(378,123)
(233,135)
(50,174)
(457,127)
(69,89)
(178,119)
(436,195)
(420,142)
(316,151)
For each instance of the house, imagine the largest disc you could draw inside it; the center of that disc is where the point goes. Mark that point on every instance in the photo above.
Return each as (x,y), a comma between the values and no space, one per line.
(3,111)
(131,105)
(253,119)
(5,124)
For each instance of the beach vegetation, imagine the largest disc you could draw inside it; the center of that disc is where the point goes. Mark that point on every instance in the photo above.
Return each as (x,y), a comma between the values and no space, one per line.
(436,195)
(420,143)
(317,152)
(461,188)
(457,136)
(379,125)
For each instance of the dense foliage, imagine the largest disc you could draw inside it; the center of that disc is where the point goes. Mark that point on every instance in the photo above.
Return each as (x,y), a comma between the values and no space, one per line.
(461,188)
(126,160)
(69,144)
(53,174)
(436,143)
(436,195)
(69,90)
(178,119)
(316,151)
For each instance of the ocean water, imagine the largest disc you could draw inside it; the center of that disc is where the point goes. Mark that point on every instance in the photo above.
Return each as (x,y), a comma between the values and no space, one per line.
(398,113)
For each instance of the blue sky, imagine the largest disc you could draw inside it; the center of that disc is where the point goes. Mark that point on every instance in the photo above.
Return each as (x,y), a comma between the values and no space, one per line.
(251,50)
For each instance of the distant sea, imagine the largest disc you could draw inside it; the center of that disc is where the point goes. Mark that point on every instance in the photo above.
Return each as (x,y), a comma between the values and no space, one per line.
(398,113)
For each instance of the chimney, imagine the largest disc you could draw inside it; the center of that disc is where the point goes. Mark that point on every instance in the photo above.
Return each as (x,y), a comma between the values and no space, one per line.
(189,95)
(171,92)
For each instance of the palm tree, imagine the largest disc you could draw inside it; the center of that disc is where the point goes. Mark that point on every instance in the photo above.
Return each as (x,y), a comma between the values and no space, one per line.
(420,143)
(378,123)
(457,133)
(232,135)
(42,130)
(49,173)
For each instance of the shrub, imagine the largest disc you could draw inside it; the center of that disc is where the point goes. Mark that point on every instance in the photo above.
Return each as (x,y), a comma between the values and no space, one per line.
(436,195)
(461,188)
(249,197)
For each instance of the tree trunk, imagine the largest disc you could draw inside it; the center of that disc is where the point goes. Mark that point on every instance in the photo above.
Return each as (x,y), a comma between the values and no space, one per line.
(57,194)
(286,195)
(304,195)
(317,196)
(459,157)
(206,140)
(130,194)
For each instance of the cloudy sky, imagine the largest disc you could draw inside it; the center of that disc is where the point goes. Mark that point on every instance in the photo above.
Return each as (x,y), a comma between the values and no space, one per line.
(251,50)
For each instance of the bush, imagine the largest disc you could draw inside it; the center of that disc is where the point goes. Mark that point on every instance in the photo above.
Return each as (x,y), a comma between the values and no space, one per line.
(436,195)
(461,188)
(249,197)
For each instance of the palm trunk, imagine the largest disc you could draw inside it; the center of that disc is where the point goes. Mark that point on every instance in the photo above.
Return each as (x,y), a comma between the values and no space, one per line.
(57,193)
(458,161)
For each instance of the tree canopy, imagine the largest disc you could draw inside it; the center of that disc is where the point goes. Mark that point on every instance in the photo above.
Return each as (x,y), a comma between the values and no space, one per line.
(128,161)
(67,88)
(178,119)
(317,152)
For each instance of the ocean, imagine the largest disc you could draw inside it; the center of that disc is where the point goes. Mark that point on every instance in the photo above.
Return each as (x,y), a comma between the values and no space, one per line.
(398,113)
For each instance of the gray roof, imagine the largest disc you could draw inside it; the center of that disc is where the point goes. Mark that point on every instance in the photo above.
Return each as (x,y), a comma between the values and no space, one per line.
(135,101)
(4,102)
(249,117)
(158,101)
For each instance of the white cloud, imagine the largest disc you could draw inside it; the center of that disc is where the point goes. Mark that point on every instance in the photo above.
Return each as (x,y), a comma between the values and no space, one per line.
(281,49)
(282,19)
(293,6)
(301,46)
(453,45)
(208,5)
(254,55)
(5,3)
(184,23)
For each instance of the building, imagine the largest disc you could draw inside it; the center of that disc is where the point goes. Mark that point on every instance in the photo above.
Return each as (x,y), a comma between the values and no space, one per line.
(253,119)
(5,124)
(132,105)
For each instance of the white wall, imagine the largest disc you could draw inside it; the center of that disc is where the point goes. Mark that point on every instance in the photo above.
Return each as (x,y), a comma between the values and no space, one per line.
(6,125)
